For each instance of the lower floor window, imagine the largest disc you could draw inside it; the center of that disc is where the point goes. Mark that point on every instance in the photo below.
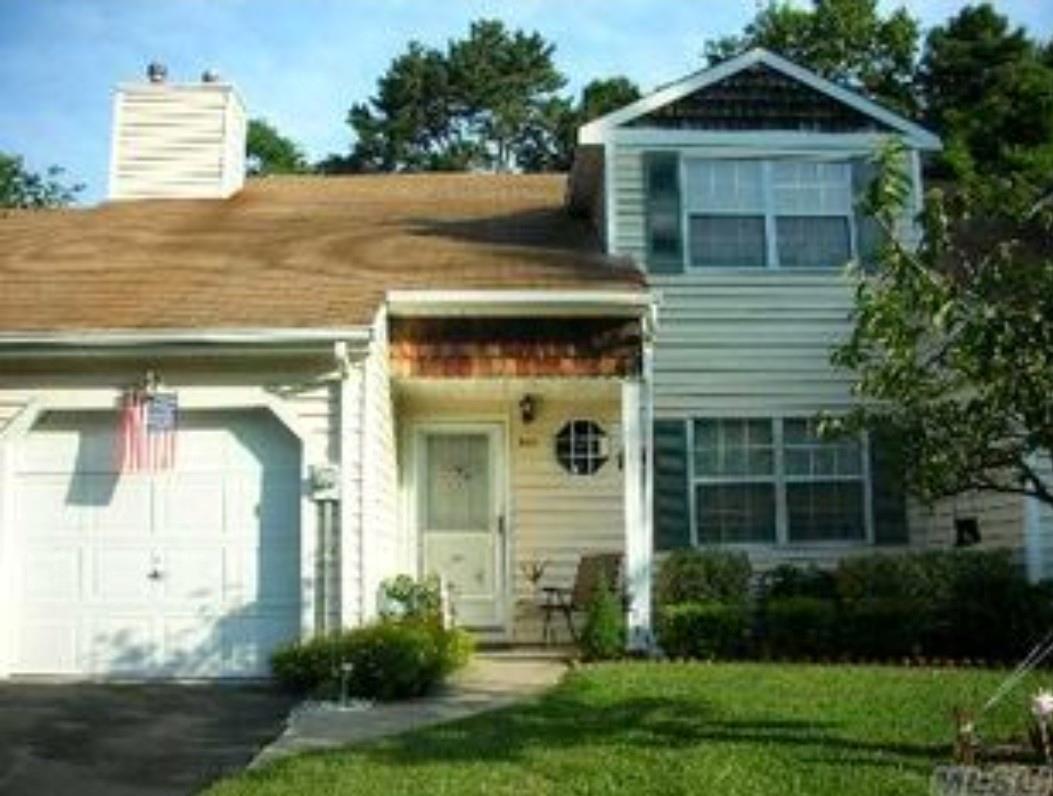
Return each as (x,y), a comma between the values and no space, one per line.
(771,480)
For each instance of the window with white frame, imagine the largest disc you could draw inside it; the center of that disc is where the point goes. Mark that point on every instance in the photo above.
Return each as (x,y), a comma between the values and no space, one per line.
(790,213)
(764,481)
(726,208)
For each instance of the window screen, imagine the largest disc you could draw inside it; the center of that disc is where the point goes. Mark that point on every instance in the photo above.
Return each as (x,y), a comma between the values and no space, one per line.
(813,241)
(728,241)
(824,485)
(734,468)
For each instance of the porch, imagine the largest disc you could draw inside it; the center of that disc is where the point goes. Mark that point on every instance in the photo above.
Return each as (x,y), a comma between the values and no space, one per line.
(521,448)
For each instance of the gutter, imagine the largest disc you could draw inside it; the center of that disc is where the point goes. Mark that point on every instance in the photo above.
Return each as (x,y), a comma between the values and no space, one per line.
(105,337)
(497,303)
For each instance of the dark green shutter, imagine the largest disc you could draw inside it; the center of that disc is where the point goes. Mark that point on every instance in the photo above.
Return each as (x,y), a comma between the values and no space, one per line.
(672,518)
(870,237)
(888,490)
(665,253)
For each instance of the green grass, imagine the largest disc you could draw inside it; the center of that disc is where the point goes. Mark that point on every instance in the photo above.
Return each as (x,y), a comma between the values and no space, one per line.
(639,728)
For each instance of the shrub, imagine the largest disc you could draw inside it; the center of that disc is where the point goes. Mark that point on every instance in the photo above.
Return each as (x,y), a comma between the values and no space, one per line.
(392,659)
(942,603)
(800,627)
(882,628)
(603,636)
(303,666)
(701,576)
(703,630)
(402,597)
(788,581)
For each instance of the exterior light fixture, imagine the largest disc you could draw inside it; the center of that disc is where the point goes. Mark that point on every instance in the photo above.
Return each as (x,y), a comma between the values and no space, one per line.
(528,408)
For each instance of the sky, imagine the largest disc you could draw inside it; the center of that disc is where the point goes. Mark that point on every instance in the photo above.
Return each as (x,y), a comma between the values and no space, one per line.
(302,63)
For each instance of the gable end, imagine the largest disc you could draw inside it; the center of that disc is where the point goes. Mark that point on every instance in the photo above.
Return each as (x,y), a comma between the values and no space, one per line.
(759,98)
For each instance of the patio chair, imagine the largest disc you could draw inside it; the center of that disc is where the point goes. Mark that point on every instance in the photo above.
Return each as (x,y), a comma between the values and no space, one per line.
(593,568)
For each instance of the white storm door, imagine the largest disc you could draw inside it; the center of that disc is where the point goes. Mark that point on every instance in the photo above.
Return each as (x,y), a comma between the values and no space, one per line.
(460,511)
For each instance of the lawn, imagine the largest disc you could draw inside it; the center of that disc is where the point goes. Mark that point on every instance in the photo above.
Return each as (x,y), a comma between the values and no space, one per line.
(676,729)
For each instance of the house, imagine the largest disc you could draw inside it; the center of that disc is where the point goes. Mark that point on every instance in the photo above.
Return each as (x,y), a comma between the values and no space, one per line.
(475,375)
(737,191)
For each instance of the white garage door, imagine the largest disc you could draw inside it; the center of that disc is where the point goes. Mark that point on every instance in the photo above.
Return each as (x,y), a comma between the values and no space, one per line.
(192,572)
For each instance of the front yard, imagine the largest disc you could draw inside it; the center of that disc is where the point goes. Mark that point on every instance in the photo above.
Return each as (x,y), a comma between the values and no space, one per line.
(729,729)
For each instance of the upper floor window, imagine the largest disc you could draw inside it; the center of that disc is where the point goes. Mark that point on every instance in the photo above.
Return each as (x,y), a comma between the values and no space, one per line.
(768,213)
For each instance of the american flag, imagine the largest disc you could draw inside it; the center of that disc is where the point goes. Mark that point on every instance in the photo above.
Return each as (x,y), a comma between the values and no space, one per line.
(146,439)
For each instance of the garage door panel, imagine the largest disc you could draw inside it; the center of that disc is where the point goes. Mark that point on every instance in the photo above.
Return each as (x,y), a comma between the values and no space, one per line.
(122,644)
(191,647)
(122,504)
(280,583)
(122,575)
(193,577)
(42,507)
(49,645)
(52,575)
(190,505)
(221,532)
(65,443)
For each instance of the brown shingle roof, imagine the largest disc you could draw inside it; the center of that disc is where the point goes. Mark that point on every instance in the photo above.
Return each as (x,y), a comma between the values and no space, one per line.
(293,253)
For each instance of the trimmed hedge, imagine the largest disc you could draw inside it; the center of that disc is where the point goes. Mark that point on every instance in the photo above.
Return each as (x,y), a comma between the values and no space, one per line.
(390,660)
(799,627)
(699,576)
(947,604)
(706,630)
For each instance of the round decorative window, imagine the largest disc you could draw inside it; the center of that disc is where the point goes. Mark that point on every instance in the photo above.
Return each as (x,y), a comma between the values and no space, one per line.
(581,447)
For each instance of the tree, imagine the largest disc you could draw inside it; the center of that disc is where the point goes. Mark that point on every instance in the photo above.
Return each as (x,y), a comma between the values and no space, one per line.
(986,88)
(953,342)
(487,102)
(847,41)
(604,95)
(25,189)
(549,145)
(502,85)
(270,152)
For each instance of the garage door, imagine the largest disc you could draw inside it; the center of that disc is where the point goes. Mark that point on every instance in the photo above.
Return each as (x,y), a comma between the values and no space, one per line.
(192,572)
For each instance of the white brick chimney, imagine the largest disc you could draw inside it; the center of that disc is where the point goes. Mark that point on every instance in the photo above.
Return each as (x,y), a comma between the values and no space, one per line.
(177,140)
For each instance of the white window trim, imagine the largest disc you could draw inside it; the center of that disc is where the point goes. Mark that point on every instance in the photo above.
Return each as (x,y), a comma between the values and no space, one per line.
(780,480)
(770,215)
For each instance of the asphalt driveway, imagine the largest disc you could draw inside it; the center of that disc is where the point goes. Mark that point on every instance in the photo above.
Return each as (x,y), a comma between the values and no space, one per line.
(91,739)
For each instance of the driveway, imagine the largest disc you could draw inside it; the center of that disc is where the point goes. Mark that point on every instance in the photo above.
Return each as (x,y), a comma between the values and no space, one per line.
(94,739)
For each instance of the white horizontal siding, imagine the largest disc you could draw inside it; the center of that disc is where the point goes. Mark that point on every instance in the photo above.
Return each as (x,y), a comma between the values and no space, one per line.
(753,343)
(1000,517)
(177,141)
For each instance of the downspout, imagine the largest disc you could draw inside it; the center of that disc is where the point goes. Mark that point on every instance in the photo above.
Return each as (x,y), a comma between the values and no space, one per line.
(348,613)
(650,325)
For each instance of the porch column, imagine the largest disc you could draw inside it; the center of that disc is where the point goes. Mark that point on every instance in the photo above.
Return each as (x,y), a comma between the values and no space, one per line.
(637,528)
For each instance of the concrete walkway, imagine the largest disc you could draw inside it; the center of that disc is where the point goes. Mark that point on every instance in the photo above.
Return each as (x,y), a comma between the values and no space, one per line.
(493,680)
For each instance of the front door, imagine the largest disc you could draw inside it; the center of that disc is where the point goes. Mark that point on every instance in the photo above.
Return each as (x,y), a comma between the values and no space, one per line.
(461,518)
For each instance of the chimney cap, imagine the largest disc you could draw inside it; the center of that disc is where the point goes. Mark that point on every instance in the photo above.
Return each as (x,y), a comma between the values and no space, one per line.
(210,76)
(156,72)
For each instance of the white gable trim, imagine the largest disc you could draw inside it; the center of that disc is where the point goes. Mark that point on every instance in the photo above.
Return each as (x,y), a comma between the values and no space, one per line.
(598,131)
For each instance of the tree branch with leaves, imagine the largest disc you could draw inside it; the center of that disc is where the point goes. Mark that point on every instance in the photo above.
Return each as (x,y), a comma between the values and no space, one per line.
(952,346)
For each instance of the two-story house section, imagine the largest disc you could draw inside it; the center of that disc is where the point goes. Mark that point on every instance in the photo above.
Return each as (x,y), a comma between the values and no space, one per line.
(737,190)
